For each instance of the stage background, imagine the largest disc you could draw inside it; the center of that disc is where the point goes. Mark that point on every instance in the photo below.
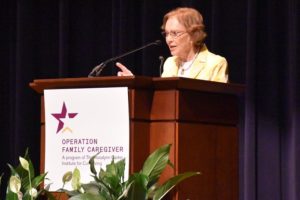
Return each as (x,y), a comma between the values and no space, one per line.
(67,38)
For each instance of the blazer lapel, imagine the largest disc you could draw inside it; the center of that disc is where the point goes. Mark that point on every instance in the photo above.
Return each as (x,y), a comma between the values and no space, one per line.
(199,63)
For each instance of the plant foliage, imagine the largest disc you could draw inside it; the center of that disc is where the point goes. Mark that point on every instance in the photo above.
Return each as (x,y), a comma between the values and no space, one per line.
(23,184)
(109,184)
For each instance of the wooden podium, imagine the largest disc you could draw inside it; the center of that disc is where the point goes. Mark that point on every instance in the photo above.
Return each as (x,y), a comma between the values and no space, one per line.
(199,118)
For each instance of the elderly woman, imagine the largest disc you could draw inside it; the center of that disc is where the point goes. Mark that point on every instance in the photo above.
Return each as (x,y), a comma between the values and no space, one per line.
(183,29)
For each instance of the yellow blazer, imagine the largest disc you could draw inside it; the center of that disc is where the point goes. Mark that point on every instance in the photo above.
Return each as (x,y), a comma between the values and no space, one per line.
(207,66)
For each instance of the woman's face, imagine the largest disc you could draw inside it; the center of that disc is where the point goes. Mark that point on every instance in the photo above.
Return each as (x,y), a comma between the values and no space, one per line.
(178,40)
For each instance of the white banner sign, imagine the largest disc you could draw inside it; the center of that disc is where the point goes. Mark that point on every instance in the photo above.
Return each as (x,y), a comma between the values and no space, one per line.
(79,124)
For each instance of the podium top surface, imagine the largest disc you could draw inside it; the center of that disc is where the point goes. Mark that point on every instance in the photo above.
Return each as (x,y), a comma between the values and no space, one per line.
(138,82)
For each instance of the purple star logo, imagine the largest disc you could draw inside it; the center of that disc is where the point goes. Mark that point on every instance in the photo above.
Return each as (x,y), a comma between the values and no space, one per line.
(62,115)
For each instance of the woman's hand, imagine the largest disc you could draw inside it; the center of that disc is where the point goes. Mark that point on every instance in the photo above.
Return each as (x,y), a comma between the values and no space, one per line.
(124,71)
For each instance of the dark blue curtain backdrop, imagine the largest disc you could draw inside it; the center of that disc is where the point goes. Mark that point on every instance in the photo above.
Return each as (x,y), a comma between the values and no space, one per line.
(67,38)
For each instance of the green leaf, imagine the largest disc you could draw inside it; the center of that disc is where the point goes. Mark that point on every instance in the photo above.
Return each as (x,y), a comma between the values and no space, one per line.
(13,171)
(76,179)
(104,187)
(31,168)
(67,177)
(114,174)
(10,195)
(111,180)
(111,169)
(170,164)
(171,183)
(120,167)
(91,188)
(38,180)
(102,173)
(27,196)
(138,186)
(156,162)
(92,164)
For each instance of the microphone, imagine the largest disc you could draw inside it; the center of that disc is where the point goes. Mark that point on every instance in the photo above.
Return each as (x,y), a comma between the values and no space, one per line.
(162,59)
(97,70)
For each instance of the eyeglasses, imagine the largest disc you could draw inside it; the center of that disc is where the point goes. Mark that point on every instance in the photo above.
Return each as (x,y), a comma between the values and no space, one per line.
(173,34)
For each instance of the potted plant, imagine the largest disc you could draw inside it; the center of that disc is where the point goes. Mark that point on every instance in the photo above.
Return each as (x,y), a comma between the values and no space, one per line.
(109,184)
